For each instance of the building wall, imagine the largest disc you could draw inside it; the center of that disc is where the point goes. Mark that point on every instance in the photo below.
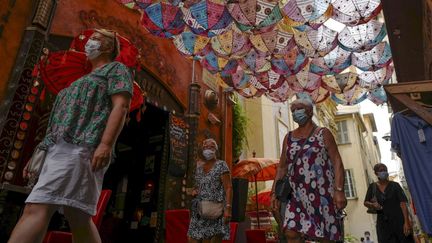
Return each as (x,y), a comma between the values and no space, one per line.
(354,156)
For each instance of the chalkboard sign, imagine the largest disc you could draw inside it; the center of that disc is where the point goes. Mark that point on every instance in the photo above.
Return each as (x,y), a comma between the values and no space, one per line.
(179,135)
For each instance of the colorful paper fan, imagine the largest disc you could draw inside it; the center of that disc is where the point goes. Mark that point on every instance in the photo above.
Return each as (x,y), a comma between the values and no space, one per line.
(339,83)
(276,42)
(215,64)
(137,97)
(379,57)
(254,62)
(129,54)
(333,63)
(362,37)
(311,13)
(231,44)
(281,94)
(255,15)
(316,43)
(291,63)
(207,18)
(354,12)
(304,81)
(192,45)
(374,79)
(163,20)
(59,69)
(351,97)
(378,96)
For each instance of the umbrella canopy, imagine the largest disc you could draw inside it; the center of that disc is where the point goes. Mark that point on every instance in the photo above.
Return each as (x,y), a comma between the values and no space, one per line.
(281,94)
(312,13)
(354,12)
(333,63)
(163,20)
(316,43)
(254,62)
(207,18)
(362,37)
(291,63)
(231,44)
(136,4)
(378,96)
(351,97)
(215,64)
(277,42)
(192,45)
(373,79)
(304,81)
(379,57)
(256,169)
(255,15)
(340,83)
(270,79)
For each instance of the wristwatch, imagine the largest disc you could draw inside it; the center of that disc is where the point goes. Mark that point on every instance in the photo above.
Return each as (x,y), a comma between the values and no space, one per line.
(339,189)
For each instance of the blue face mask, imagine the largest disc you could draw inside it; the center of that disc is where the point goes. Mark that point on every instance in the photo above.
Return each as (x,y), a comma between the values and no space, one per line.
(300,117)
(383,175)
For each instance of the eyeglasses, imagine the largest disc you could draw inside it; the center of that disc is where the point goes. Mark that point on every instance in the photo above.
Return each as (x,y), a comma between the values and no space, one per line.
(340,214)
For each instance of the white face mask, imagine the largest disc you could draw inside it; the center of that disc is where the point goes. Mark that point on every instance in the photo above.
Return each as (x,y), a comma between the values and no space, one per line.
(92,49)
(209,154)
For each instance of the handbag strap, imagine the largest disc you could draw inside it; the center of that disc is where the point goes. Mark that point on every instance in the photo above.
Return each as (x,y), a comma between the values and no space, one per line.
(301,149)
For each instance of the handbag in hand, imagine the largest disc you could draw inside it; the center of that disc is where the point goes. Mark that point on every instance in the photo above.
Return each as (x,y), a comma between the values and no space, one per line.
(283,187)
(210,209)
(373,199)
(34,166)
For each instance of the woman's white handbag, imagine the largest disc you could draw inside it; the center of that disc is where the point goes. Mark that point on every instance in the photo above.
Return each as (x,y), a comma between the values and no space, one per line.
(34,166)
(210,209)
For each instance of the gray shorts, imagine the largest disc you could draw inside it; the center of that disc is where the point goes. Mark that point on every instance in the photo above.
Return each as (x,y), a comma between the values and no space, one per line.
(67,179)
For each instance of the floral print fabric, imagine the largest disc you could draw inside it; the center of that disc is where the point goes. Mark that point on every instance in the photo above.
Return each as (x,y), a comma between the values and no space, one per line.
(210,188)
(311,210)
(81,111)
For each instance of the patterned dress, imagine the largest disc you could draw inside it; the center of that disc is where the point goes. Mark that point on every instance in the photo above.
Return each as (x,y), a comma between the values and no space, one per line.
(311,210)
(210,188)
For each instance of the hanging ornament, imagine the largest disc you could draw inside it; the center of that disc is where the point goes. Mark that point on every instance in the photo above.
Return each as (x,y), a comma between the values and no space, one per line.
(163,20)
(281,94)
(207,18)
(339,83)
(378,57)
(304,81)
(333,63)
(352,96)
(215,64)
(254,62)
(362,37)
(231,44)
(316,43)
(255,15)
(192,45)
(378,96)
(355,12)
(270,79)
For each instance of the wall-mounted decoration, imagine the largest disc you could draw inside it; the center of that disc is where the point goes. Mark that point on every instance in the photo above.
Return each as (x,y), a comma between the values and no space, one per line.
(211,99)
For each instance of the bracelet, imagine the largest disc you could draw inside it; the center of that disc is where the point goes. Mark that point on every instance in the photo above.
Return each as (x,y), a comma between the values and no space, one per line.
(228,205)
(339,189)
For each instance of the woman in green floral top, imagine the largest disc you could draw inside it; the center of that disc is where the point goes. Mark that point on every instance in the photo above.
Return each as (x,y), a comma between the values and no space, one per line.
(85,122)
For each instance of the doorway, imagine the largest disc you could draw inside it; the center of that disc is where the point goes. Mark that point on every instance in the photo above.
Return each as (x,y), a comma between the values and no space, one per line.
(134,177)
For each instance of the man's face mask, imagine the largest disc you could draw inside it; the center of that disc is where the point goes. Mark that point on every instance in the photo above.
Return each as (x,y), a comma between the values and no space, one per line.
(382,175)
(300,116)
(92,49)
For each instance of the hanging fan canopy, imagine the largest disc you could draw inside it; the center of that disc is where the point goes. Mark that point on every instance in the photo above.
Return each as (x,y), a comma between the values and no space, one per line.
(307,13)
(378,96)
(163,20)
(255,62)
(304,81)
(316,43)
(281,94)
(207,18)
(215,64)
(192,45)
(355,12)
(270,80)
(255,15)
(378,57)
(333,63)
(231,44)
(339,83)
(362,37)
(291,63)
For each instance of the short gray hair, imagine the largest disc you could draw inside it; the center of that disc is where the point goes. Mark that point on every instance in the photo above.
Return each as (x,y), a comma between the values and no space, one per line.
(306,102)
(211,140)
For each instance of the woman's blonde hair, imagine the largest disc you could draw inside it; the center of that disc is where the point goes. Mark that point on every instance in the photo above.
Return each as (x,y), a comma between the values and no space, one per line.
(111,40)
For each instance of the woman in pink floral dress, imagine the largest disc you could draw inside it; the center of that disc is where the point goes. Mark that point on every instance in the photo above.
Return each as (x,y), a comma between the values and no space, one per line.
(317,178)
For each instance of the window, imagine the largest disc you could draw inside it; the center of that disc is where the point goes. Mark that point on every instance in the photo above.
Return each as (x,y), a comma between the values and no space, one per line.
(342,136)
(349,187)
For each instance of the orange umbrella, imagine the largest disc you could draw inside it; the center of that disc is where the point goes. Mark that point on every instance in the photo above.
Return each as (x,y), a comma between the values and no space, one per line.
(256,169)
(263,198)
